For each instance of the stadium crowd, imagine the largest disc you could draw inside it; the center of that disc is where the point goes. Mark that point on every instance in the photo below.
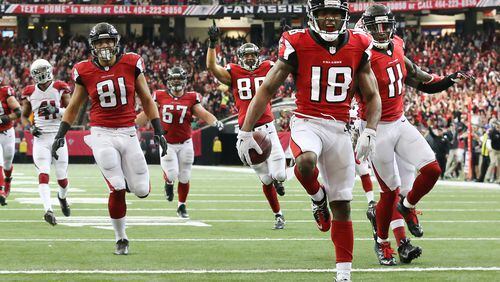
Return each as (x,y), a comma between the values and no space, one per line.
(445,113)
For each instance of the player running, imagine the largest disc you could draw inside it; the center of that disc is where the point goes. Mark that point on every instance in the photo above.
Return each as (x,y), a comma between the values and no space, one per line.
(397,137)
(47,100)
(245,79)
(110,80)
(329,61)
(9,110)
(177,108)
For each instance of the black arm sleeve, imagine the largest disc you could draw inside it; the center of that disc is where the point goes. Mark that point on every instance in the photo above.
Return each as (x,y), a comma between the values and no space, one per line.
(63,129)
(158,129)
(436,87)
(17,111)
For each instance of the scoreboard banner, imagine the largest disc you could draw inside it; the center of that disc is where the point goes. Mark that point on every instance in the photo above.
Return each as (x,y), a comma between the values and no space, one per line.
(226,10)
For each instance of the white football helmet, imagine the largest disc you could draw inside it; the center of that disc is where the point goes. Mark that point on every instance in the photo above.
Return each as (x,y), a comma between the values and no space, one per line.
(41,71)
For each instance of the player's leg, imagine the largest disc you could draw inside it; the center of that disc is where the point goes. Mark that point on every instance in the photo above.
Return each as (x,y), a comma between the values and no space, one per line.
(277,162)
(134,166)
(262,170)
(425,162)
(9,149)
(42,158)
(306,146)
(363,171)
(336,165)
(186,159)
(3,195)
(105,150)
(170,166)
(61,165)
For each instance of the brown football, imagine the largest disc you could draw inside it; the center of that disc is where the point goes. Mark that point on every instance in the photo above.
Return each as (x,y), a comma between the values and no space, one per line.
(264,142)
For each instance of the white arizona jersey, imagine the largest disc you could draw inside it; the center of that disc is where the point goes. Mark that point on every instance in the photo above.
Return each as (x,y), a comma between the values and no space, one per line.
(39,99)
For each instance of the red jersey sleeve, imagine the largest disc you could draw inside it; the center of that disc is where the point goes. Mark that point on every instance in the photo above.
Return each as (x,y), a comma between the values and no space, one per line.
(364,42)
(62,87)
(27,91)
(287,47)
(75,73)
(136,60)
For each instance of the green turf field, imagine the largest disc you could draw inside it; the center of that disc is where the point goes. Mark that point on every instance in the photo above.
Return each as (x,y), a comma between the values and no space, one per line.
(230,236)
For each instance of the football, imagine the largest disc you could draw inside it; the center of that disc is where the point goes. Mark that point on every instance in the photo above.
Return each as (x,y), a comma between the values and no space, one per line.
(264,142)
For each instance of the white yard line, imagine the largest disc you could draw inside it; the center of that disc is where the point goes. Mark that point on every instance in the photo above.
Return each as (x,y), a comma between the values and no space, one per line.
(246,271)
(222,239)
(238,210)
(267,221)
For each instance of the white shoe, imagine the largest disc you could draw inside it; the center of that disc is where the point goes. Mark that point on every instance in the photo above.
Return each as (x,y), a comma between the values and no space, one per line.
(343,277)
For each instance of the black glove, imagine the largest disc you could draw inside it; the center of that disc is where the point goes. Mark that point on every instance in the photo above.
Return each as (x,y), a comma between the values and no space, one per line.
(158,136)
(213,34)
(48,110)
(35,131)
(4,119)
(59,139)
(460,76)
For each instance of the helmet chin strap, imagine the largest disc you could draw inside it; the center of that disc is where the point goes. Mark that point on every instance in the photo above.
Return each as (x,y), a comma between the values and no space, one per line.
(379,45)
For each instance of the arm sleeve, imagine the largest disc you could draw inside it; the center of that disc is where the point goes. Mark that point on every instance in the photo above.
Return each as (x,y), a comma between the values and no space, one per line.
(76,76)
(435,87)
(287,53)
(140,67)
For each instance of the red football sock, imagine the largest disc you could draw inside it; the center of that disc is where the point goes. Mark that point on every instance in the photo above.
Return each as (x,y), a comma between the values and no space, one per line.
(397,224)
(43,178)
(343,239)
(117,206)
(424,182)
(63,183)
(8,172)
(183,191)
(309,182)
(385,207)
(272,197)
(367,183)
(2,178)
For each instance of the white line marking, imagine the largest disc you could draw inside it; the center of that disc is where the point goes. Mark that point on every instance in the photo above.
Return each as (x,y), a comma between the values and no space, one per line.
(220,239)
(241,209)
(246,271)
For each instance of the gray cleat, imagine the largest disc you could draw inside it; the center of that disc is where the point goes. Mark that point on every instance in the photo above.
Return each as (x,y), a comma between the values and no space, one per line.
(121,247)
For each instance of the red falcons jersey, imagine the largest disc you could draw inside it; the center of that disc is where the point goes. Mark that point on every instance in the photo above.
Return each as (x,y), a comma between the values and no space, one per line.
(324,76)
(244,84)
(390,70)
(176,114)
(5,93)
(111,89)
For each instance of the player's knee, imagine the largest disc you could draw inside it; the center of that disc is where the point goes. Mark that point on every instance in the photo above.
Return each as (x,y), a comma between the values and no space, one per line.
(107,159)
(43,178)
(266,179)
(142,191)
(432,170)
(116,183)
(341,210)
(280,176)
(306,163)
(185,176)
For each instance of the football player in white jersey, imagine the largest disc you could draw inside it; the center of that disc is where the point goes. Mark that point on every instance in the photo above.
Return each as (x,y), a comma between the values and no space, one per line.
(47,100)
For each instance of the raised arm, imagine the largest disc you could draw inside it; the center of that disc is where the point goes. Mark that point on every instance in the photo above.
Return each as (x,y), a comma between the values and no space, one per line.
(219,72)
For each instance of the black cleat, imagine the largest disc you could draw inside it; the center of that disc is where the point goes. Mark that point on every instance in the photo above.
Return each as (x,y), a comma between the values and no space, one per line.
(407,252)
(50,218)
(370,214)
(280,189)
(385,253)
(280,222)
(64,206)
(410,216)
(321,213)
(169,191)
(121,247)
(182,212)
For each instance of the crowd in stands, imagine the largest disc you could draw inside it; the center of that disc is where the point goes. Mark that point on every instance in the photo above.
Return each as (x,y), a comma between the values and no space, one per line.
(445,113)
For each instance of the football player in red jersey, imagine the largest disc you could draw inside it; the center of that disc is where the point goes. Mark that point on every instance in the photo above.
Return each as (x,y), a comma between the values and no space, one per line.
(110,80)
(329,62)
(397,137)
(177,107)
(244,79)
(9,110)
(47,99)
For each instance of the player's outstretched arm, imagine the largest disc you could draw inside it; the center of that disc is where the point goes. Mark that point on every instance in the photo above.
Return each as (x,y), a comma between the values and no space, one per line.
(151,111)
(207,116)
(219,72)
(16,110)
(367,84)
(274,79)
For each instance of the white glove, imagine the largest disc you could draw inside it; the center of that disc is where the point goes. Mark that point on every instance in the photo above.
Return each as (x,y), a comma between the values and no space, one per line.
(366,144)
(219,125)
(244,144)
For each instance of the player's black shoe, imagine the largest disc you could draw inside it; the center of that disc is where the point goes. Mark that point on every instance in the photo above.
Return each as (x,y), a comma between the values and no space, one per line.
(121,247)
(280,189)
(385,253)
(321,213)
(50,218)
(370,214)
(280,222)
(64,206)
(407,252)
(182,212)
(410,216)
(169,191)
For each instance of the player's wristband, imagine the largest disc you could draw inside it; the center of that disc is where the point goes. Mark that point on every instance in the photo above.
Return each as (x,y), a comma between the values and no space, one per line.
(63,129)
(212,44)
(157,126)
(4,119)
